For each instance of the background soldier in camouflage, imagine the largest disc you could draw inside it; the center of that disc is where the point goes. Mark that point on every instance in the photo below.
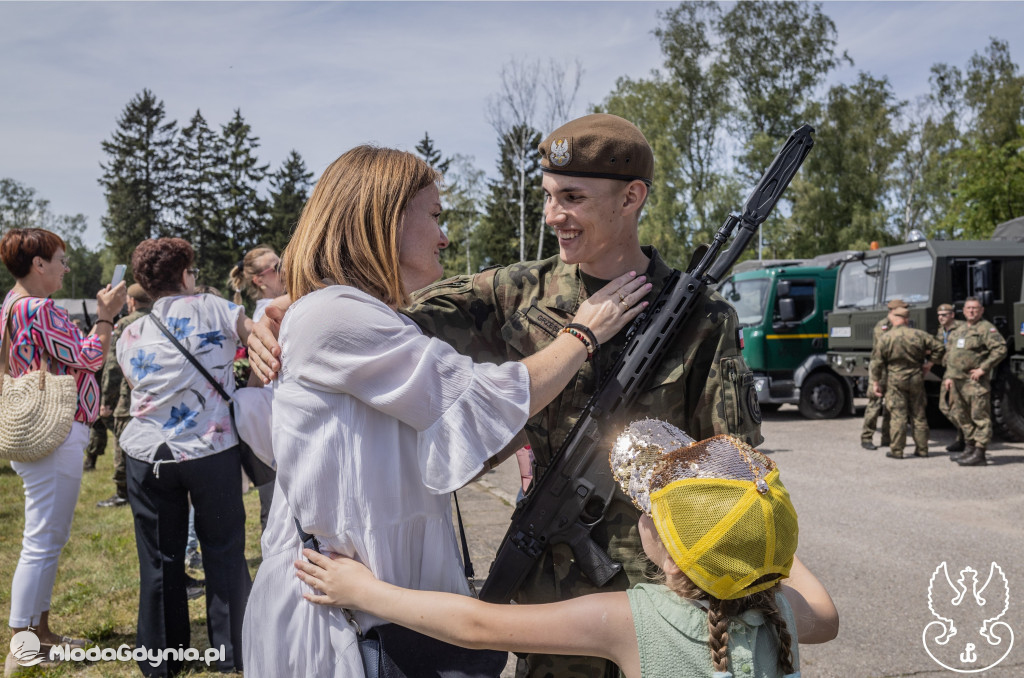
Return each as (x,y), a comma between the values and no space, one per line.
(115,394)
(947,323)
(973,350)
(897,361)
(875,406)
(597,170)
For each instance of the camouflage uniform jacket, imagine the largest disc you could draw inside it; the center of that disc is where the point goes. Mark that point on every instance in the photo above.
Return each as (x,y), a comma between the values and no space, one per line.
(114,390)
(942,334)
(703,386)
(973,346)
(900,353)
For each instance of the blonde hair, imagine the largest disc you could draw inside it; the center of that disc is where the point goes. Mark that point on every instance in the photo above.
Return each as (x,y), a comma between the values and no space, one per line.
(721,612)
(350,227)
(240,278)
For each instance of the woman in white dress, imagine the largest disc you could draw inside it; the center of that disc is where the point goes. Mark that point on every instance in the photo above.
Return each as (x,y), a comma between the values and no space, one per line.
(375,424)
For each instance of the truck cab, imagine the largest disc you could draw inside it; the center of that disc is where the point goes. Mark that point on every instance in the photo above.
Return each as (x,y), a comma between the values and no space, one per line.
(783,310)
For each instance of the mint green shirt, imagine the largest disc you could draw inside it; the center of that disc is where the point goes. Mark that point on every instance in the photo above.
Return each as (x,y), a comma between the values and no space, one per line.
(672,635)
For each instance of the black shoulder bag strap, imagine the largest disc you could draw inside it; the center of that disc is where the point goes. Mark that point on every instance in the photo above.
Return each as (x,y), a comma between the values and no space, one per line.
(259,473)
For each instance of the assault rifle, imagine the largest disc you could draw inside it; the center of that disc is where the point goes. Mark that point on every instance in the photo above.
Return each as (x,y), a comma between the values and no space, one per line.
(573,495)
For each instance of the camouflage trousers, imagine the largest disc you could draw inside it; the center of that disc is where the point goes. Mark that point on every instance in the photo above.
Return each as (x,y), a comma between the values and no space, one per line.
(871,413)
(970,404)
(556,577)
(97,440)
(905,401)
(120,471)
(944,407)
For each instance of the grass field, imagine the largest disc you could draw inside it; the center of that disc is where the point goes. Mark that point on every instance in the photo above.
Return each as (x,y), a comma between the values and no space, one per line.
(97,589)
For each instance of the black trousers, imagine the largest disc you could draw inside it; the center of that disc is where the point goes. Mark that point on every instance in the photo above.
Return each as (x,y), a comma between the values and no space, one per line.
(159,497)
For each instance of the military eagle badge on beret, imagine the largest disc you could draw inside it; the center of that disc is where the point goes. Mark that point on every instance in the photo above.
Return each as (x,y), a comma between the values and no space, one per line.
(560,153)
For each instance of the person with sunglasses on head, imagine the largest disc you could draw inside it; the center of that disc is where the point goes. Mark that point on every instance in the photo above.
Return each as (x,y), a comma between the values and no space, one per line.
(258,277)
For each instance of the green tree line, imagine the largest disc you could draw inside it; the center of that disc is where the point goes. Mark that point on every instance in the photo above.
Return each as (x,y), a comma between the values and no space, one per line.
(735,80)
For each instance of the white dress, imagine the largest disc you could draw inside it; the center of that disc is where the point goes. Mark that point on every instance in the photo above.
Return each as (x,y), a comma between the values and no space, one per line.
(374,425)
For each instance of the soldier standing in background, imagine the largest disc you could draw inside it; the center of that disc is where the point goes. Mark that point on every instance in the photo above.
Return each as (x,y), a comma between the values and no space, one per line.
(897,368)
(115,394)
(974,349)
(875,403)
(948,323)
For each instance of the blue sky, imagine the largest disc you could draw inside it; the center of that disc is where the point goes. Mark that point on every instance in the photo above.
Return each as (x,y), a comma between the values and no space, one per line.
(323,77)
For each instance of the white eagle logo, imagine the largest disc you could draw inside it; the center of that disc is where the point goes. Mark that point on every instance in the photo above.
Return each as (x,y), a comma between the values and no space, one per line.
(970,605)
(560,153)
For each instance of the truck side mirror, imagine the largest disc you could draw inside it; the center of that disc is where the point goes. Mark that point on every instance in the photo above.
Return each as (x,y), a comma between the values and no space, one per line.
(787,310)
(782,289)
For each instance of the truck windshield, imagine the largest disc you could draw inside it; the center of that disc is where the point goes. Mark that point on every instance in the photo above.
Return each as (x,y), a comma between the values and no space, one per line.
(856,286)
(748,297)
(909,277)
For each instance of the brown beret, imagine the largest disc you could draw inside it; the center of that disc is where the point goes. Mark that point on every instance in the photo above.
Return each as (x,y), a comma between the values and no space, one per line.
(136,292)
(897,303)
(598,145)
(945,308)
(901,311)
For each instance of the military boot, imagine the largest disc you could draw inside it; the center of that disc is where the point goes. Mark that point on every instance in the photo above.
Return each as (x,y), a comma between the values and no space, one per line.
(956,446)
(975,459)
(968,450)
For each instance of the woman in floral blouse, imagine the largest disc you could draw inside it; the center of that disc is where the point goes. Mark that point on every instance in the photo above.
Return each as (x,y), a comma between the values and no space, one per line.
(38,327)
(180,444)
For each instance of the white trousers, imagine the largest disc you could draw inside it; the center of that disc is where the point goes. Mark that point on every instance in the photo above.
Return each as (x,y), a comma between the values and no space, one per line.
(51,492)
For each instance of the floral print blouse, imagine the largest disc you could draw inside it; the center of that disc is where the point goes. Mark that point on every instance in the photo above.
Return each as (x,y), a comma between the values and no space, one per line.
(39,323)
(172,402)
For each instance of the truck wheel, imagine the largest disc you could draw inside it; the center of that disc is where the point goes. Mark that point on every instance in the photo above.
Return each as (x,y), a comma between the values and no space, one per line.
(1008,406)
(822,396)
(769,407)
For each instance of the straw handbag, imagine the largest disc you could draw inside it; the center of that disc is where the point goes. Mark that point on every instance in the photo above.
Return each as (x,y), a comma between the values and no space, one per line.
(36,409)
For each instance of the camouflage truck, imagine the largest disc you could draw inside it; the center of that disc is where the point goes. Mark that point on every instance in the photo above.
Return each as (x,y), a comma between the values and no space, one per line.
(925,274)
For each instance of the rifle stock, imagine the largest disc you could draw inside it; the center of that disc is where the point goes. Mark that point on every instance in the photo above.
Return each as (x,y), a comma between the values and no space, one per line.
(573,495)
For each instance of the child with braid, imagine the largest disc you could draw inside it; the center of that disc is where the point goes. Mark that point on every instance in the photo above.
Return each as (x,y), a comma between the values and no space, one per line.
(717,521)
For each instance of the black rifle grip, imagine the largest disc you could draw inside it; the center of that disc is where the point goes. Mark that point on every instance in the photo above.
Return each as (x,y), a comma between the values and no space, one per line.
(591,558)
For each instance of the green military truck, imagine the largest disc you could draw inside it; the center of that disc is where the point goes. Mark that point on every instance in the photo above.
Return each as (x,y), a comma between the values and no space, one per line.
(925,274)
(783,306)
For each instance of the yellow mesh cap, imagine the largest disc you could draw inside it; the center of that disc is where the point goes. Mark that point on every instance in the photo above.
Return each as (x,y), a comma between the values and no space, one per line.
(724,516)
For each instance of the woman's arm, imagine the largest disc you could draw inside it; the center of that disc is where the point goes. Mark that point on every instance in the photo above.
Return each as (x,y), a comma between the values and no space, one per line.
(599,625)
(604,314)
(817,620)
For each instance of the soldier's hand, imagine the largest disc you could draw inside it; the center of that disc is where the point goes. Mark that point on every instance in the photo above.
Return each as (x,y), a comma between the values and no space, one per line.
(105,411)
(977,373)
(878,390)
(947,384)
(264,351)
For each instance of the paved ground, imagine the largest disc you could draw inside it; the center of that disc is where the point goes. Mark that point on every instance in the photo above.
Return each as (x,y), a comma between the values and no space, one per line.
(874,530)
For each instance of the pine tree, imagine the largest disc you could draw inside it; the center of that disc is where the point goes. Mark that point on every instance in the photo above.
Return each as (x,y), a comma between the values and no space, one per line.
(138,175)
(433,156)
(244,211)
(198,203)
(288,194)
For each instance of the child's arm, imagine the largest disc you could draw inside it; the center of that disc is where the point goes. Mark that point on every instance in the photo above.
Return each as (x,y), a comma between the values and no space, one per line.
(599,625)
(817,620)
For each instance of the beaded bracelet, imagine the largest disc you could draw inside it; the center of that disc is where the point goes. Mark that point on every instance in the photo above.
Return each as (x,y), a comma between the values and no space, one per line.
(590,335)
(583,340)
